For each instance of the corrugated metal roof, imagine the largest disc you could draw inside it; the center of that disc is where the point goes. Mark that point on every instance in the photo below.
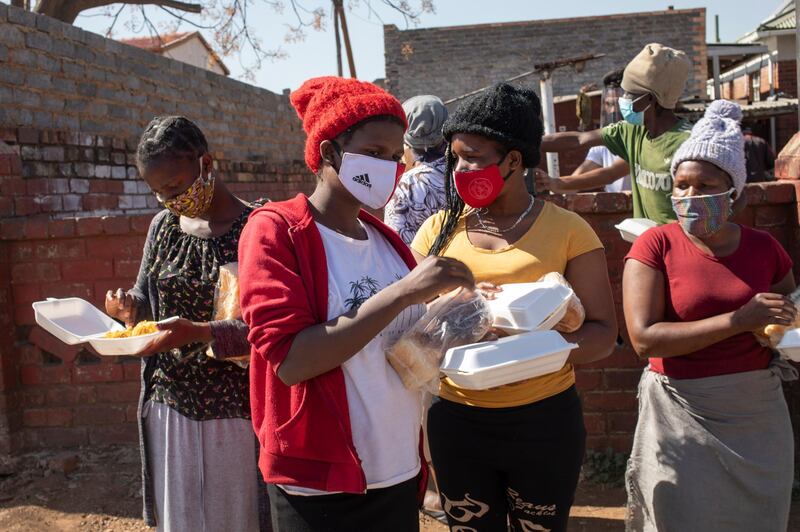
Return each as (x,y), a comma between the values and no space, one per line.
(784,21)
(761,109)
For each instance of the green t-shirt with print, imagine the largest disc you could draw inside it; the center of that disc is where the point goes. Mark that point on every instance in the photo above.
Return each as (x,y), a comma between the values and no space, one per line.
(649,161)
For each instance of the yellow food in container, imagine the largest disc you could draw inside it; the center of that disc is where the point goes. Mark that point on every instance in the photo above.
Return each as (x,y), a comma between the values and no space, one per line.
(140,329)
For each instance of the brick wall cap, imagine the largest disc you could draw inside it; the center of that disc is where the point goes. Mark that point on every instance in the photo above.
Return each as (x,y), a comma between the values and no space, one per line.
(534,23)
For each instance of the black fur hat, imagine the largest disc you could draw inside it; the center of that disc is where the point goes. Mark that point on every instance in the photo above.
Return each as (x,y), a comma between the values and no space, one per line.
(505,113)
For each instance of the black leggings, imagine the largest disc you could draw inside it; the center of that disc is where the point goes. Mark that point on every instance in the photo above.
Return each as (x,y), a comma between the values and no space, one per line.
(519,465)
(392,509)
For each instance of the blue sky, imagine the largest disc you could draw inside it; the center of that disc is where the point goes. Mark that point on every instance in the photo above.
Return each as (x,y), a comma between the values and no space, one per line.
(316,54)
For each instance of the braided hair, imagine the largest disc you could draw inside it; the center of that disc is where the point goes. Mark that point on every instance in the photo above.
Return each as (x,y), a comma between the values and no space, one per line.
(454,204)
(168,137)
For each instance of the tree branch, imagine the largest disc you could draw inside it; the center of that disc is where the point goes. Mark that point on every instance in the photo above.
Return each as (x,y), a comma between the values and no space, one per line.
(110,30)
(68,10)
(228,23)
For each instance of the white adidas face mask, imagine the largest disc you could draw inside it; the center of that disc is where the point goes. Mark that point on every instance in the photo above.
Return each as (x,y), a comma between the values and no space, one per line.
(370,180)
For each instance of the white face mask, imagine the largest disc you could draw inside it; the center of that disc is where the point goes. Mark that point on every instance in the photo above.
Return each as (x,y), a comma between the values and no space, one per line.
(370,180)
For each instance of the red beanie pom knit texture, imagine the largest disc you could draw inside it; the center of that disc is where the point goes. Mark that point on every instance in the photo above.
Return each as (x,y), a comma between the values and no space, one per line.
(329,105)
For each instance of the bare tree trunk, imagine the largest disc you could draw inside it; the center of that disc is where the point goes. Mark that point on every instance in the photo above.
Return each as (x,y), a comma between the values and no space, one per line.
(68,10)
(350,62)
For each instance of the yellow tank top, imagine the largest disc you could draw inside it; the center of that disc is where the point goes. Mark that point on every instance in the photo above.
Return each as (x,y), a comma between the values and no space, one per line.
(556,237)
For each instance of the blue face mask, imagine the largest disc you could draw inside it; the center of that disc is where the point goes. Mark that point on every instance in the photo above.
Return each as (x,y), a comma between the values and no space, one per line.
(627,112)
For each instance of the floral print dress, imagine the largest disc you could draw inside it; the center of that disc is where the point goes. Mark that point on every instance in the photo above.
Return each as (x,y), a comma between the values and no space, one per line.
(419,195)
(185,269)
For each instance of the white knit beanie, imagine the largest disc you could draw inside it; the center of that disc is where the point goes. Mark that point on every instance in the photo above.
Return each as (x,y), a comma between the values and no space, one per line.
(717,139)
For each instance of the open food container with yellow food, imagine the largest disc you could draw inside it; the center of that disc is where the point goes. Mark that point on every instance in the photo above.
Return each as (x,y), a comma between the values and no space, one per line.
(76,321)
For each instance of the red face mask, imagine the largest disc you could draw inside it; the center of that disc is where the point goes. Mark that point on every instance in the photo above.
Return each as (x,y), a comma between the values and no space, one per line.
(479,188)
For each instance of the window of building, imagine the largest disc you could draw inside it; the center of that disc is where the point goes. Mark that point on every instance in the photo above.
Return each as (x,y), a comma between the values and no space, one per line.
(755,86)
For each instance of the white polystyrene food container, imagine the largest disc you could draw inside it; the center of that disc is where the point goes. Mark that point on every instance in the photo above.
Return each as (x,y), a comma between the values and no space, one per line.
(76,321)
(521,307)
(633,228)
(789,346)
(511,359)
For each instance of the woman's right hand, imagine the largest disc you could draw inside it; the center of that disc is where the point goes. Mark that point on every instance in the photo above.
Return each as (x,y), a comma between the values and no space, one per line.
(432,277)
(765,309)
(122,306)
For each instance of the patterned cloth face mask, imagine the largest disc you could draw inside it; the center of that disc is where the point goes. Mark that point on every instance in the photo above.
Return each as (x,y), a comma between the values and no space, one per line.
(702,216)
(195,200)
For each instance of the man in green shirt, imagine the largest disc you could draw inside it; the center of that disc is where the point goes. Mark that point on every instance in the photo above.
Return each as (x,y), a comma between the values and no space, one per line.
(650,134)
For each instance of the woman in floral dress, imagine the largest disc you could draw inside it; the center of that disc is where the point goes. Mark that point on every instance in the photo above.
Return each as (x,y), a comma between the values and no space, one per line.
(198,448)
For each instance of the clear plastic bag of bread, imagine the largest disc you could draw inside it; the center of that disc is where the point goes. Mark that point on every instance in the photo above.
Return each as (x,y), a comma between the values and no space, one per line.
(772,335)
(226,305)
(576,314)
(457,318)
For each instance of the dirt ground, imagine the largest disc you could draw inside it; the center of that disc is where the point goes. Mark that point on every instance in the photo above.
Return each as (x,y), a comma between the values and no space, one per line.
(97,490)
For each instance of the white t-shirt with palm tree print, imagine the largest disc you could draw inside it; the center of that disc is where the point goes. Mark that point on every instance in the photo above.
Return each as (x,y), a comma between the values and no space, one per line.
(385,417)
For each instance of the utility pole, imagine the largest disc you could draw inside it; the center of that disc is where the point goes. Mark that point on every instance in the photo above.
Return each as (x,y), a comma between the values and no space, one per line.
(549,115)
(338,41)
(343,19)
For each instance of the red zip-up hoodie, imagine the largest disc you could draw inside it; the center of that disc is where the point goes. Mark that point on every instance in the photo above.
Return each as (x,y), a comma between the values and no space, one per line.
(303,430)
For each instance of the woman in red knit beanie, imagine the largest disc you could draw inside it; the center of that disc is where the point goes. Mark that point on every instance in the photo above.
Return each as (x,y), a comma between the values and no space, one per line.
(325,288)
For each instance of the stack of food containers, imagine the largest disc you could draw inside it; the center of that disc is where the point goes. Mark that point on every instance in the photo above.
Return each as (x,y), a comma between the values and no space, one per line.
(526,311)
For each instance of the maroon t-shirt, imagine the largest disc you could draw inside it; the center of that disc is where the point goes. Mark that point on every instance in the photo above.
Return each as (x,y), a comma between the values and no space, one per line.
(700,286)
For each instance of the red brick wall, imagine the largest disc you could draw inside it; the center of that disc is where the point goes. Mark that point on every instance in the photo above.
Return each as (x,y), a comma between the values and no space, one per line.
(479,55)
(52,394)
(56,395)
(787,78)
(785,129)
(65,395)
(566,117)
(783,80)
(741,88)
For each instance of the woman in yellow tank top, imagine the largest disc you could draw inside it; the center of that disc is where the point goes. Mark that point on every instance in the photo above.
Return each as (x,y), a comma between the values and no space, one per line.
(513,452)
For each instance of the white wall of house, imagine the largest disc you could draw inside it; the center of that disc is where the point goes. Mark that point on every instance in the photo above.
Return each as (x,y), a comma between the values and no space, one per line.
(785,46)
(194,53)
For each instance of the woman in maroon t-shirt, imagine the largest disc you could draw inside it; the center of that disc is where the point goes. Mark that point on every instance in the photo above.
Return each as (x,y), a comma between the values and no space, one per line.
(713,448)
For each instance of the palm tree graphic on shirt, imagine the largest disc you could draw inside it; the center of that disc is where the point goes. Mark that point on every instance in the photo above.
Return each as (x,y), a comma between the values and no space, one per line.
(360,291)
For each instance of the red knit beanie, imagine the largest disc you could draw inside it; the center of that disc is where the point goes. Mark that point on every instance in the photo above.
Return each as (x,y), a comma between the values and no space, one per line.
(329,105)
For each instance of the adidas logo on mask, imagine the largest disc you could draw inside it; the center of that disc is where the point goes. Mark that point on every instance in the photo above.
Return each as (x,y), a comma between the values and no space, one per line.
(363,179)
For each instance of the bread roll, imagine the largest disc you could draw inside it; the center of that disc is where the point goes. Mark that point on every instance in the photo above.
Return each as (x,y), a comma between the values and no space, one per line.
(774,333)
(415,362)
(574,318)
(576,314)
(226,297)
(226,305)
